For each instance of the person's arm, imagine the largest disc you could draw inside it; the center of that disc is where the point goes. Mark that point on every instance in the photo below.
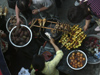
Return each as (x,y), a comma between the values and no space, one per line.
(87,22)
(17,15)
(54,45)
(35,11)
(17,11)
(46,4)
(88,18)
(58,57)
(43,9)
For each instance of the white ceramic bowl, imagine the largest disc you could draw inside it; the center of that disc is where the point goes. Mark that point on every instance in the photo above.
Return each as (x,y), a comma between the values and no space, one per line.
(24,44)
(9,20)
(67,59)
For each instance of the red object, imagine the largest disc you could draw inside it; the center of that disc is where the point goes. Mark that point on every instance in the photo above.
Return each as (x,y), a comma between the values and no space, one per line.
(36,69)
(1,73)
(29,23)
(35,37)
(47,55)
(3,43)
(44,43)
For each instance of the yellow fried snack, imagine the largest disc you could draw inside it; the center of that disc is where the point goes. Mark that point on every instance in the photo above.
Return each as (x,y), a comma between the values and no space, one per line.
(40,22)
(73,39)
(44,21)
(57,26)
(5,11)
(1,10)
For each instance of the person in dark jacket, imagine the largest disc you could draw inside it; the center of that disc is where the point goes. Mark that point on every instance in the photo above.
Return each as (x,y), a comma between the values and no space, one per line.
(86,8)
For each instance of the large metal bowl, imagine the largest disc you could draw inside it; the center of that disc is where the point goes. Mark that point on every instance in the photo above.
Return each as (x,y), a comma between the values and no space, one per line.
(24,44)
(57,34)
(67,59)
(7,23)
(91,58)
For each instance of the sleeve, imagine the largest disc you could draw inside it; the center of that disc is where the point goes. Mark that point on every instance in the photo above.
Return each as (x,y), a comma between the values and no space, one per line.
(88,17)
(32,72)
(47,3)
(99,16)
(57,58)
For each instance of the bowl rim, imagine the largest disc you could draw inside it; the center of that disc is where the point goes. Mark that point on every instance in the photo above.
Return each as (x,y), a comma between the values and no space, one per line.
(73,67)
(96,36)
(43,34)
(9,20)
(24,44)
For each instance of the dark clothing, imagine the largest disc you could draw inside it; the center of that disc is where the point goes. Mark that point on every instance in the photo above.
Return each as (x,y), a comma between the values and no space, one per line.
(3,65)
(26,13)
(12,3)
(58,3)
(94,6)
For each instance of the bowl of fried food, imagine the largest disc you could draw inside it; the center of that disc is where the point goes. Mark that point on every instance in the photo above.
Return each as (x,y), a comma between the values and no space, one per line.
(11,22)
(76,59)
(20,36)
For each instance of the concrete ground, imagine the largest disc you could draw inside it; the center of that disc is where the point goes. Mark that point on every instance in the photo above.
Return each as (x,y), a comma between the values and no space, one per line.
(66,4)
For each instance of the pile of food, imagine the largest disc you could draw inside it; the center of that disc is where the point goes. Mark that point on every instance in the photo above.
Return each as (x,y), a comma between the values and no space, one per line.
(42,22)
(20,35)
(13,20)
(90,44)
(64,27)
(77,59)
(3,11)
(73,39)
(47,55)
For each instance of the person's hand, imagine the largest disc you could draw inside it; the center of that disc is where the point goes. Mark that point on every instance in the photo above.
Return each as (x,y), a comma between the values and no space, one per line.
(51,40)
(19,21)
(85,27)
(35,11)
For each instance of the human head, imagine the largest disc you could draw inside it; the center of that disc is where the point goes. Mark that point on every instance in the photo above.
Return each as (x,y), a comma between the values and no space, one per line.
(77,13)
(22,4)
(38,64)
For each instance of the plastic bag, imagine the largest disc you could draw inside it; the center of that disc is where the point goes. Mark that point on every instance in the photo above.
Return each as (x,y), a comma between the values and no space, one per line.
(24,71)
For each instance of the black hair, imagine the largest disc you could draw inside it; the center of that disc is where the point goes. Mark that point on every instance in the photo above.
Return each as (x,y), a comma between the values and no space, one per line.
(39,64)
(22,4)
(77,13)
